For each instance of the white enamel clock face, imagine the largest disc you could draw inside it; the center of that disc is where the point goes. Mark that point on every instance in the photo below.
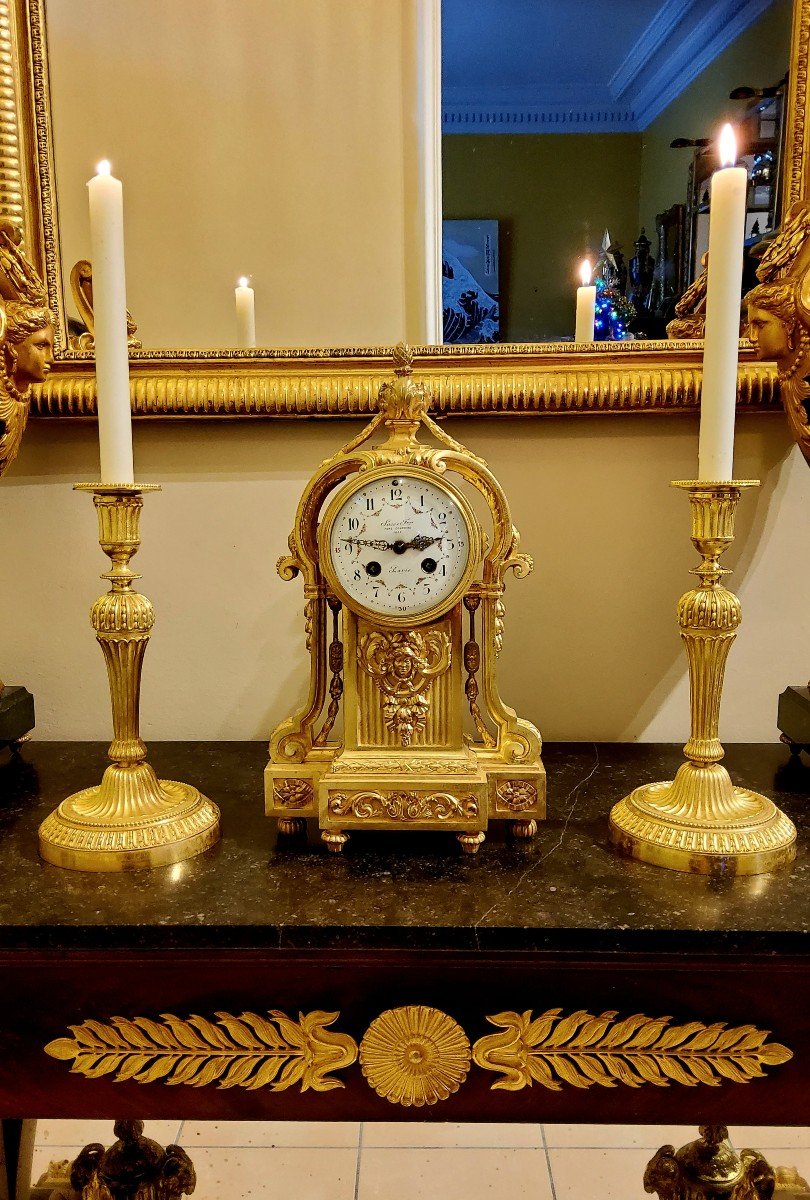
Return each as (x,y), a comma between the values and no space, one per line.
(399,546)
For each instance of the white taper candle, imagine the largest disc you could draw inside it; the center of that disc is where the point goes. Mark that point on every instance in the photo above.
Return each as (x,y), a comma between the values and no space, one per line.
(245,315)
(110,326)
(586,305)
(719,391)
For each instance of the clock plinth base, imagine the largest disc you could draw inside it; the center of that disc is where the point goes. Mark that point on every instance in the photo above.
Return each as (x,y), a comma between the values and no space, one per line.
(423,789)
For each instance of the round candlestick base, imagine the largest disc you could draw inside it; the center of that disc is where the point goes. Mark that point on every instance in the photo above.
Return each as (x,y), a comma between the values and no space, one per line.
(131,822)
(701,822)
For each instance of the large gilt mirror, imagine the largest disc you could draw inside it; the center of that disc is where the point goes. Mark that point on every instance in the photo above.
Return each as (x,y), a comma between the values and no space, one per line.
(427,169)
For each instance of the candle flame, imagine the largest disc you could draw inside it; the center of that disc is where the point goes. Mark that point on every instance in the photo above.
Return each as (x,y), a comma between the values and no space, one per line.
(728,147)
(585,272)
(103,167)
(243,281)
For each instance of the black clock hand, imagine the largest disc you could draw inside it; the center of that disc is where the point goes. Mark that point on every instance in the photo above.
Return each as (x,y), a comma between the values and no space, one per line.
(375,545)
(420,542)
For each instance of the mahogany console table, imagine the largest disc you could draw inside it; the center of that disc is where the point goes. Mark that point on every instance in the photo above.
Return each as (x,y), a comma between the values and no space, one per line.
(577,954)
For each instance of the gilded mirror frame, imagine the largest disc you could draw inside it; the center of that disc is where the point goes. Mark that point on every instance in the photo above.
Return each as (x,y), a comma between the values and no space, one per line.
(530,379)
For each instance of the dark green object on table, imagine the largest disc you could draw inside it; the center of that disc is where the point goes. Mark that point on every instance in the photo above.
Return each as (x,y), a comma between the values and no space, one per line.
(16,715)
(793,719)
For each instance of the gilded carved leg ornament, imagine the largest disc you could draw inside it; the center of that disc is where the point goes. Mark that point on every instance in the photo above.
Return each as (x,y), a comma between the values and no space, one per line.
(133,1168)
(709,1168)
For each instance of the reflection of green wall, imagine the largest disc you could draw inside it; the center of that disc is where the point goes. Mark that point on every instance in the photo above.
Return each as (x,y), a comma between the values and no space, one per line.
(553,195)
(758,57)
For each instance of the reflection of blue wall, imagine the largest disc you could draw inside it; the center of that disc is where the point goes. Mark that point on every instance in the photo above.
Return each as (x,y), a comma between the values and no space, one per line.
(471,310)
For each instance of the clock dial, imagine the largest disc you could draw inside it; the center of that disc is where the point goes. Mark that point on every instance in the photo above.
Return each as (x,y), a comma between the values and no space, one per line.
(399,545)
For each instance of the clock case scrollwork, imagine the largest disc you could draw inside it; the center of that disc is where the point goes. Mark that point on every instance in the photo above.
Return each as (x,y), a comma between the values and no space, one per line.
(403,760)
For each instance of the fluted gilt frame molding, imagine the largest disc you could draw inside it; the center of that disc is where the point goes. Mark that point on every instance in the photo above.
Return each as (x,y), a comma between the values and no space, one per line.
(520,379)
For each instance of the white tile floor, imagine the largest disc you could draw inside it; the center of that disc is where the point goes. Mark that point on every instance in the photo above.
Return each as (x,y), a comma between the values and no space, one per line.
(412,1161)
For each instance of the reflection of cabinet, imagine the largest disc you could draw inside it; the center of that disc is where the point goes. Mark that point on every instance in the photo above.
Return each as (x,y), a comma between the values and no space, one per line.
(759,133)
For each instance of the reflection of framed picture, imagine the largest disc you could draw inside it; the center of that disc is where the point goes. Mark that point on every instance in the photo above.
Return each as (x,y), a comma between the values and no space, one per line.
(470,299)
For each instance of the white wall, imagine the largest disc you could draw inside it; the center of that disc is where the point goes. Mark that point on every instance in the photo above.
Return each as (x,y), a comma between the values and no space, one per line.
(591,646)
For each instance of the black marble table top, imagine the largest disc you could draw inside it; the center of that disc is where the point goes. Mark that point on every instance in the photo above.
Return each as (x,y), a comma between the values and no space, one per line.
(565,891)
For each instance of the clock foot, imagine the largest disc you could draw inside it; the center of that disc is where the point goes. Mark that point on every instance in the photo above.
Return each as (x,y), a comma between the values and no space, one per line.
(525,830)
(335,840)
(291,826)
(470,842)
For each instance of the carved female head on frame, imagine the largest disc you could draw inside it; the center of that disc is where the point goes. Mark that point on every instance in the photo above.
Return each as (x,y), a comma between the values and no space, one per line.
(28,343)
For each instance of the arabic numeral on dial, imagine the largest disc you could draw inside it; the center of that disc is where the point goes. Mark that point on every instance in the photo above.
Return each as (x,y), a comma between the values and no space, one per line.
(357,576)
(441,516)
(444,569)
(396,493)
(400,597)
(354,523)
(369,504)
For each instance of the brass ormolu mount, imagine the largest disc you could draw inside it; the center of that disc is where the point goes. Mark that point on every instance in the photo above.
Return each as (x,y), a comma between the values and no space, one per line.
(709,1169)
(133,1168)
(700,821)
(132,820)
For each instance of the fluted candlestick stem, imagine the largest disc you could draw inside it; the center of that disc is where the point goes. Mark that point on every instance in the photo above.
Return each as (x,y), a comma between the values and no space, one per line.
(132,819)
(700,821)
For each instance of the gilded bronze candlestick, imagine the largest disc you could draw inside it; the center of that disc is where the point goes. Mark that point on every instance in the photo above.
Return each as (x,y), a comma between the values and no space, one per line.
(132,820)
(700,821)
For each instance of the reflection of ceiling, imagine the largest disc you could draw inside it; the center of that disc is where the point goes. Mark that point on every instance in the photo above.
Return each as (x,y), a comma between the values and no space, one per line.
(580,66)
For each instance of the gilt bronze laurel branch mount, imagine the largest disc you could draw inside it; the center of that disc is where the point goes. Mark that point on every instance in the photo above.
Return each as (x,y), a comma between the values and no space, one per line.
(700,821)
(417,1055)
(132,820)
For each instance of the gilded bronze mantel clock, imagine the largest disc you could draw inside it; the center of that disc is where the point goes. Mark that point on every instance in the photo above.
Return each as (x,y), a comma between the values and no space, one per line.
(404,620)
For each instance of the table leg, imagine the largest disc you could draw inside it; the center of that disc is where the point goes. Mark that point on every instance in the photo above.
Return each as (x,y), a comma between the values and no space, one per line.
(708,1168)
(18,1158)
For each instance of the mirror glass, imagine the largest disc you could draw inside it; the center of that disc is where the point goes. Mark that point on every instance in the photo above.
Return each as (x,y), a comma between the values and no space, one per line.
(276,140)
(558,129)
(258,138)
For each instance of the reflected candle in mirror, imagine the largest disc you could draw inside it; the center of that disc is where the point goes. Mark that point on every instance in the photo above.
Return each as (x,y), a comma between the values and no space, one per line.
(586,305)
(245,315)
(724,289)
(110,326)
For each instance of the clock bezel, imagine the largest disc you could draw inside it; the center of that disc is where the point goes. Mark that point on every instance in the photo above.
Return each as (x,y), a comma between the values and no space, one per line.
(355,484)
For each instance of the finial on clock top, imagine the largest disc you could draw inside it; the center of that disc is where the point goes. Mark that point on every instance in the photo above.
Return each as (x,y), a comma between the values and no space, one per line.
(403,403)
